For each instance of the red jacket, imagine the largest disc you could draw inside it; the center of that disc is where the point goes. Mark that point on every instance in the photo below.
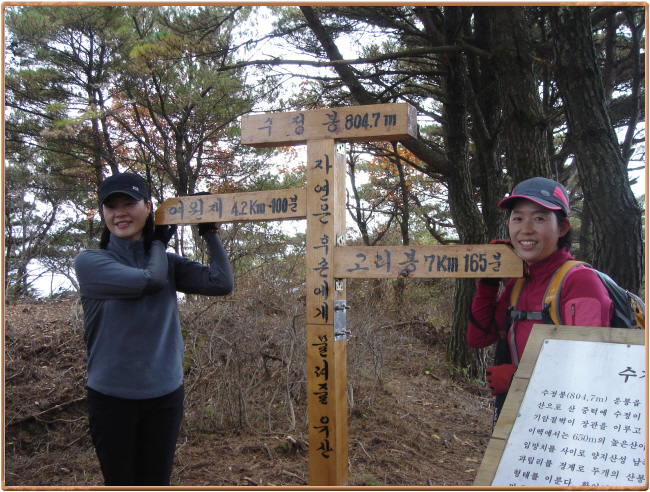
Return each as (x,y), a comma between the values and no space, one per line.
(584,302)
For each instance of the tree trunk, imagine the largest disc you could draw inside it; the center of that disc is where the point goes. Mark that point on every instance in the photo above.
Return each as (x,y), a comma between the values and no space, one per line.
(403,213)
(465,213)
(618,248)
(586,239)
(485,110)
(524,132)
(404,192)
(355,210)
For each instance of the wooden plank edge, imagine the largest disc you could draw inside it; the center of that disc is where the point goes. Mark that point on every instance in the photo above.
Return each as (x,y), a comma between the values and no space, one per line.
(289,143)
(490,463)
(159,220)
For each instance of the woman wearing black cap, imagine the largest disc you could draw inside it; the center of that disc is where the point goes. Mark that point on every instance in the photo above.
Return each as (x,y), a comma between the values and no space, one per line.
(132,332)
(540,234)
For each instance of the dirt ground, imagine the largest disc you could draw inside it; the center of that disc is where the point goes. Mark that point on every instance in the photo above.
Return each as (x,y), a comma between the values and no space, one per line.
(423,426)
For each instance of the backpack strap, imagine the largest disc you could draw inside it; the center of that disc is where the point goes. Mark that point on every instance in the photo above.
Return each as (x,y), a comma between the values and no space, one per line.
(513,315)
(550,313)
(516,291)
(638,309)
(554,290)
(514,299)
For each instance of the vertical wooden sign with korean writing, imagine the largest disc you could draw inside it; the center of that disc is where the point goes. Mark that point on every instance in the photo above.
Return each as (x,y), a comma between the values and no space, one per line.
(325,213)
(326,356)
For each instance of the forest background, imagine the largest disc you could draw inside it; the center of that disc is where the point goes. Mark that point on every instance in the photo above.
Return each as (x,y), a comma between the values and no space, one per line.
(502,94)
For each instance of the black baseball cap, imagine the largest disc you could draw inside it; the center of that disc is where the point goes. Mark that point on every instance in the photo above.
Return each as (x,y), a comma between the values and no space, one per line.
(131,184)
(546,192)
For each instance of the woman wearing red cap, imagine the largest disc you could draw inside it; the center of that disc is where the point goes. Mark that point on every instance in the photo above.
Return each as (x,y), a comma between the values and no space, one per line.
(540,234)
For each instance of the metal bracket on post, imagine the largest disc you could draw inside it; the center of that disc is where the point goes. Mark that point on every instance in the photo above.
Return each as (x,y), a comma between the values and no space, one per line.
(340,320)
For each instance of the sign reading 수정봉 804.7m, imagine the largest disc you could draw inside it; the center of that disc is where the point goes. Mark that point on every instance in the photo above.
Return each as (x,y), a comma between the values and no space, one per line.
(395,121)
(582,419)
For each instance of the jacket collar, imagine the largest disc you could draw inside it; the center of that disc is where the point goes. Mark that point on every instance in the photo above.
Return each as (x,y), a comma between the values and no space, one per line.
(124,246)
(551,263)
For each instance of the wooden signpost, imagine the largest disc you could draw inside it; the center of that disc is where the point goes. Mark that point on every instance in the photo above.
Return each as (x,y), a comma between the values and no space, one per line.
(329,261)
(234,207)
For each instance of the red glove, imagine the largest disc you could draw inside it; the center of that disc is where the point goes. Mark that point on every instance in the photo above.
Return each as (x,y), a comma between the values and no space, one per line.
(495,281)
(500,377)
(501,241)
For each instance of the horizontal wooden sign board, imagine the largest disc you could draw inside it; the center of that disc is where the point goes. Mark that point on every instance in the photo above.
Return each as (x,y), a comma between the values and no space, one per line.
(234,207)
(488,260)
(394,121)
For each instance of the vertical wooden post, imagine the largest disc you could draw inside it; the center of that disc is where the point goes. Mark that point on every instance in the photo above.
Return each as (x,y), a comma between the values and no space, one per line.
(326,357)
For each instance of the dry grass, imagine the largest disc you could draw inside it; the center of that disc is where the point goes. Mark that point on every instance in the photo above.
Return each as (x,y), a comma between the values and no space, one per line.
(412,421)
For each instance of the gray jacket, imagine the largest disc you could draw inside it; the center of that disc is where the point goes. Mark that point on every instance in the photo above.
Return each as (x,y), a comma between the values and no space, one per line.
(132,330)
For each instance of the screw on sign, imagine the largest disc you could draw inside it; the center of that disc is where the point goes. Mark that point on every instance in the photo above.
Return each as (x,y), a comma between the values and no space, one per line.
(329,261)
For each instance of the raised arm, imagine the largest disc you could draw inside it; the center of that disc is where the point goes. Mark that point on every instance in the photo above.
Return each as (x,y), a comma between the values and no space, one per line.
(488,314)
(213,280)
(102,276)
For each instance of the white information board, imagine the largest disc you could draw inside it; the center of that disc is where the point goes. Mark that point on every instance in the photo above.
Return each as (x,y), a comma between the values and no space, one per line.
(582,419)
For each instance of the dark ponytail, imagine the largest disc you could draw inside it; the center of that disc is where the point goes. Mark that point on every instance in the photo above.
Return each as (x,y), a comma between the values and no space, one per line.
(148,231)
(563,241)
(105,237)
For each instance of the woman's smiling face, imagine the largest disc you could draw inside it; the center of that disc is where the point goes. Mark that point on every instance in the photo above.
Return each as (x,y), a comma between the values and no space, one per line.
(535,230)
(125,216)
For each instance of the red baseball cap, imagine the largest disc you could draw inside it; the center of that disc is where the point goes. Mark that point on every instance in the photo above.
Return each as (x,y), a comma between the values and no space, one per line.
(546,192)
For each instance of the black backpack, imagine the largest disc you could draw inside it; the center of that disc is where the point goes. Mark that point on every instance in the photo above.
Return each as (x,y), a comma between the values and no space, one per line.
(629,309)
